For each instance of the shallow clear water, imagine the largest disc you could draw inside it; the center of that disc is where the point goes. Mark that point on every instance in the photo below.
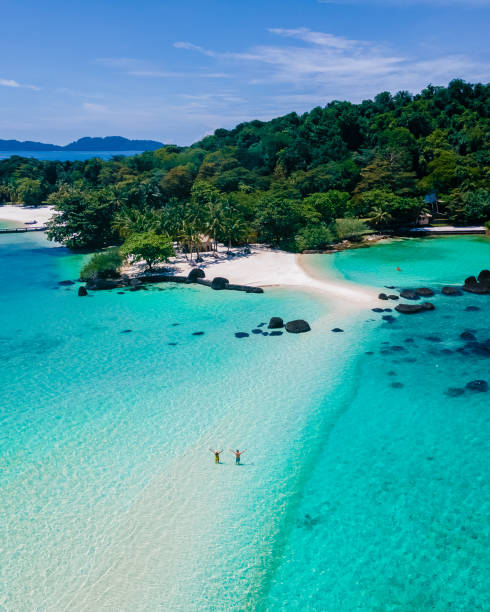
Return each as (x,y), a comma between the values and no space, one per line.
(394,515)
(354,495)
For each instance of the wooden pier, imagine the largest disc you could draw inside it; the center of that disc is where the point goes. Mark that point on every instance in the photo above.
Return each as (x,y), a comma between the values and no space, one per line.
(21,230)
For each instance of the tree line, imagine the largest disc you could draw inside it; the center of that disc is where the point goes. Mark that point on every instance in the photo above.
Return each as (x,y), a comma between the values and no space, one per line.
(297,181)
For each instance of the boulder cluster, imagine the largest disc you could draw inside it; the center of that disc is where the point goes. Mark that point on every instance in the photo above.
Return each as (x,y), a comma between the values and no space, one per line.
(196,275)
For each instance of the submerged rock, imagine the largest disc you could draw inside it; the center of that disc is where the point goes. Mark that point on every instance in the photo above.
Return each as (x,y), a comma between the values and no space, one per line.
(409,294)
(394,297)
(397,385)
(428,306)
(454,391)
(199,333)
(382,296)
(242,335)
(337,330)
(275,333)
(477,385)
(467,335)
(256,331)
(82,292)
(451,291)
(424,291)
(276,323)
(298,326)
(377,309)
(388,318)
(472,308)
(65,283)
(126,331)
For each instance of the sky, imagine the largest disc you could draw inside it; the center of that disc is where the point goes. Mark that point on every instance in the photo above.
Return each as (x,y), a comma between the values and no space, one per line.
(176,70)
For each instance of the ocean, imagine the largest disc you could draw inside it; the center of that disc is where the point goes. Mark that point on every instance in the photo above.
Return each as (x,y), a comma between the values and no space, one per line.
(363,484)
(63,156)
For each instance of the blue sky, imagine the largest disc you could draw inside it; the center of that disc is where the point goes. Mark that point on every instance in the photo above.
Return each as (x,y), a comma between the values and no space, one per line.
(175,70)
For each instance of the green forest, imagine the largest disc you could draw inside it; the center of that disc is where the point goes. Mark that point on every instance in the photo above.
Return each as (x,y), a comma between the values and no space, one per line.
(298,181)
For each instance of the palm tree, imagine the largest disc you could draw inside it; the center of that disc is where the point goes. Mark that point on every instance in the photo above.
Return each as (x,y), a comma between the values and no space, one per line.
(214,222)
(379,216)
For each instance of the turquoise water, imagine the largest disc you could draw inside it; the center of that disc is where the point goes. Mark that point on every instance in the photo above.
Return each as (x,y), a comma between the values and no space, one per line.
(395,514)
(66,155)
(354,495)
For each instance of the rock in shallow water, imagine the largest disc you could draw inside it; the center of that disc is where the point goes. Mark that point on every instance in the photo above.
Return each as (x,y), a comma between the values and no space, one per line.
(451,291)
(199,333)
(477,385)
(337,330)
(276,323)
(82,292)
(298,326)
(241,335)
(275,333)
(467,335)
(256,331)
(472,308)
(414,308)
(409,294)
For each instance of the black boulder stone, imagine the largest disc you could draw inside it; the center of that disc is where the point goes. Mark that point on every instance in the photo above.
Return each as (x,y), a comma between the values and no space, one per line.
(241,335)
(199,333)
(337,330)
(82,292)
(120,293)
(467,335)
(394,297)
(377,309)
(451,291)
(409,294)
(472,308)
(265,333)
(388,318)
(477,385)
(195,273)
(298,326)
(126,331)
(387,309)
(428,306)
(409,308)
(172,343)
(454,391)
(256,331)
(390,287)
(276,323)
(261,325)
(382,296)
(275,333)
(218,283)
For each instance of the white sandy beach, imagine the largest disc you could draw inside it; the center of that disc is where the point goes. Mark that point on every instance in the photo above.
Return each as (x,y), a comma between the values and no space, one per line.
(26,214)
(266,267)
(263,267)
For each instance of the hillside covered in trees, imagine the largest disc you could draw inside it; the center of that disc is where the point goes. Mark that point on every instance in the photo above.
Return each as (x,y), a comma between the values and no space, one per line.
(297,181)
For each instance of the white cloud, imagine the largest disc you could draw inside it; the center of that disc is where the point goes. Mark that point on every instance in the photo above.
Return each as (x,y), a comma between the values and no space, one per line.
(329,66)
(139,68)
(12,83)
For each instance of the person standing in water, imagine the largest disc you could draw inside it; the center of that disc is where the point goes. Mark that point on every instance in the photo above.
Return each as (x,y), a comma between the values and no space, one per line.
(237,454)
(216,454)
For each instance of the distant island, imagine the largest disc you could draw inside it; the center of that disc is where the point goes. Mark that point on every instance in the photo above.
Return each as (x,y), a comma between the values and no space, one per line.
(108,143)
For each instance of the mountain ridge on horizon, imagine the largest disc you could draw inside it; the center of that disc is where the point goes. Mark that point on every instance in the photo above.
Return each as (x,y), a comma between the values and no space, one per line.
(86,143)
